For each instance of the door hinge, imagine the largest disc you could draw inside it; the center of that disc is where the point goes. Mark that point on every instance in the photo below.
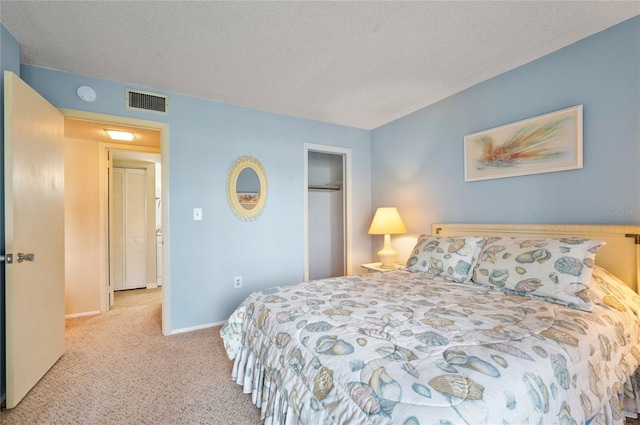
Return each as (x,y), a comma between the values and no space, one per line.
(8,258)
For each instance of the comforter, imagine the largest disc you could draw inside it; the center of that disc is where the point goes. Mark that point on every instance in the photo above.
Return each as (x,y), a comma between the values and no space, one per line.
(405,348)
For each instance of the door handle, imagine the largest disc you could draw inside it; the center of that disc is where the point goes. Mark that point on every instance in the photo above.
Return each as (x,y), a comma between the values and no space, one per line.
(8,258)
(26,257)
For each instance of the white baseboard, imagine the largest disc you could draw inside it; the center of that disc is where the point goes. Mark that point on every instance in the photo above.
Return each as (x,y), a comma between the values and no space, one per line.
(196,328)
(86,313)
(152,285)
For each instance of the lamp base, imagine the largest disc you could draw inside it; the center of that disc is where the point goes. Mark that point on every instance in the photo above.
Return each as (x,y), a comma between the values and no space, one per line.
(387,255)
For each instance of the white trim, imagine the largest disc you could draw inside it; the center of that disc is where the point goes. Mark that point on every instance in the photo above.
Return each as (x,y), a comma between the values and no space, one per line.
(164,195)
(305,211)
(347,199)
(152,285)
(197,328)
(86,313)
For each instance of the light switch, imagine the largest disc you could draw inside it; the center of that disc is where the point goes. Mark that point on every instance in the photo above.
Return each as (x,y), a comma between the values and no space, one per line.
(197,213)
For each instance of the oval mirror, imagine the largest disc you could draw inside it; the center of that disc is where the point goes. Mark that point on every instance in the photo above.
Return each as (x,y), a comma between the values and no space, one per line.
(247,188)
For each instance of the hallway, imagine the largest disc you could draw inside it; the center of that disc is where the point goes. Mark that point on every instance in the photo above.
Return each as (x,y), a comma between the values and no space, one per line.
(137,298)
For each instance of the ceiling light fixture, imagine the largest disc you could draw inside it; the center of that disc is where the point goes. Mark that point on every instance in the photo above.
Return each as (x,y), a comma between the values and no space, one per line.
(126,136)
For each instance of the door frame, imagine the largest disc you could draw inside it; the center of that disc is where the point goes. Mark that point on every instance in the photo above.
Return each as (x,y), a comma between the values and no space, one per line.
(348,248)
(150,216)
(104,205)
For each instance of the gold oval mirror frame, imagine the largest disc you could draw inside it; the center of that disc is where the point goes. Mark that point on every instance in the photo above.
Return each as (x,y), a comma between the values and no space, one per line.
(247,205)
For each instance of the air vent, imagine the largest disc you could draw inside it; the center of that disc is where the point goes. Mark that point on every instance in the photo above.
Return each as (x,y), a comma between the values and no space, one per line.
(146,101)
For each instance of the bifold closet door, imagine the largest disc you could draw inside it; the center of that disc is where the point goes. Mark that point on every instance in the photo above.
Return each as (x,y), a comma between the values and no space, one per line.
(116,230)
(129,229)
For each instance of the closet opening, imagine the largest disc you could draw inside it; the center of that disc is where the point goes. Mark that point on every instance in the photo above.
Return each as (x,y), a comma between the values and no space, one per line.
(327,202)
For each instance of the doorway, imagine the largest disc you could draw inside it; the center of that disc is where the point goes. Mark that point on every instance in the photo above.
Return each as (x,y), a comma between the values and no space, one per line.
(327,200)
(326,215)
(102,152)
(135,222)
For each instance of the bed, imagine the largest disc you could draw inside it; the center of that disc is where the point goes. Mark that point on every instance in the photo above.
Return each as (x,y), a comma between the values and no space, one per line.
(515,324)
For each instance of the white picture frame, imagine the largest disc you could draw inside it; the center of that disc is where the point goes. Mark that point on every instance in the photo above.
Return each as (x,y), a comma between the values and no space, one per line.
(542,144)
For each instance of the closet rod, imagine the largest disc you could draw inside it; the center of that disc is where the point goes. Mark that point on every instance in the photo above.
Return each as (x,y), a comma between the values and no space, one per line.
(323,187)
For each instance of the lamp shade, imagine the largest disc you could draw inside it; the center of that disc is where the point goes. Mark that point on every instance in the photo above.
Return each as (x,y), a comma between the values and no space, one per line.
(387,221)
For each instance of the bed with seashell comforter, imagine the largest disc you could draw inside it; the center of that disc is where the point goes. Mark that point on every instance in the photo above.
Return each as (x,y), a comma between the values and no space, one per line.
(416,346)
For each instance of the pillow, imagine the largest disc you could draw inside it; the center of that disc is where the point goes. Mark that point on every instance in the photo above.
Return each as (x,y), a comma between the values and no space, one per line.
(606,289)
(558,270)
(450,257)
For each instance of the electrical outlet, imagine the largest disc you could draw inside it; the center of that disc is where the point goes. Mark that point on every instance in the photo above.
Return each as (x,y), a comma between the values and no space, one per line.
(237,282)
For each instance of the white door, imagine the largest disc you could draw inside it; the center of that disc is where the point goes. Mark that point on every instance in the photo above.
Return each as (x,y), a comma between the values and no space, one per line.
(128,229)
(135,183)
(116,231)
(34,221)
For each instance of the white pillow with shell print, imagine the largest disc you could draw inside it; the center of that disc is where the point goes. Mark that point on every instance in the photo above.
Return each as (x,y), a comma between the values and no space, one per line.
(450,257)
(558,270)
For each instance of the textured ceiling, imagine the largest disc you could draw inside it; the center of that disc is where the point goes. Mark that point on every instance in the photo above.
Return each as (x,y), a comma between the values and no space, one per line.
(360,64)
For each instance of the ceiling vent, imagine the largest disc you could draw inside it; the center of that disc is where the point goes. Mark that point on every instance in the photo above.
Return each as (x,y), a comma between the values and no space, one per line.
(146,101)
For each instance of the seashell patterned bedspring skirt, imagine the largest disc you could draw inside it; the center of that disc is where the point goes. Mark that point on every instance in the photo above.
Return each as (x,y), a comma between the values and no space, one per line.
(405,348)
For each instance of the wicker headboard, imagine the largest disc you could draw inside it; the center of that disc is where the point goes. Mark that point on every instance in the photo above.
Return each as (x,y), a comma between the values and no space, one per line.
(621,255)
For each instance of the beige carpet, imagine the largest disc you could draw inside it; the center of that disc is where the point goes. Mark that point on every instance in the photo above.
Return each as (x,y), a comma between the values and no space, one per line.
(119,369)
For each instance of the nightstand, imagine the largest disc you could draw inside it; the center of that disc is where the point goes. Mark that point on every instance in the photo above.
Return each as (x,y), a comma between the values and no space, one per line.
(376,267)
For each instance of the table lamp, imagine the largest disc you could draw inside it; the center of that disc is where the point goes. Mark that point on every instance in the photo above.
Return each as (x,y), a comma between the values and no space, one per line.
(387,222)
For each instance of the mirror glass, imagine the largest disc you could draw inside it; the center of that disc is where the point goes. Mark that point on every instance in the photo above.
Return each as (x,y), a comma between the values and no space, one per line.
(247,188)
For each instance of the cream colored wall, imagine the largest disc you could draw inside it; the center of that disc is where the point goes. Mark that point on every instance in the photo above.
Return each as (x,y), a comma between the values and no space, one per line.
(151,215)
(82,228)
(103,245)
(83,237)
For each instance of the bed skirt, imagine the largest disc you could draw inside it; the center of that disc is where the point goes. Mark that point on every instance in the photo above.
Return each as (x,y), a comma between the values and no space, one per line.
(274,406)
(254,379)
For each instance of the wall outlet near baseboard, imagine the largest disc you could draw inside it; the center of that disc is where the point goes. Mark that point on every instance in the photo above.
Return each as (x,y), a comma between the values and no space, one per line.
(237,282)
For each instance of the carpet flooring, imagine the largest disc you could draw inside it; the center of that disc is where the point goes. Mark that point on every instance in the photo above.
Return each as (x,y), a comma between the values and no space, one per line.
(119,369)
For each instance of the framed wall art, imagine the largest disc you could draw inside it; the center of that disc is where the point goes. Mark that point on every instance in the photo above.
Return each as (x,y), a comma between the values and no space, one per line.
(542,144)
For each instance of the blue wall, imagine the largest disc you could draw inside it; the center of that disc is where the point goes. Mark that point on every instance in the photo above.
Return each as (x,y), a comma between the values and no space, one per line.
(9,61)
(418,159)
(205,138)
